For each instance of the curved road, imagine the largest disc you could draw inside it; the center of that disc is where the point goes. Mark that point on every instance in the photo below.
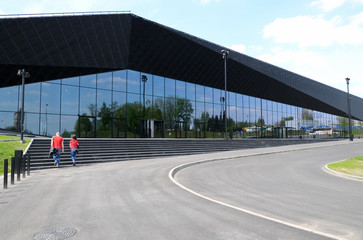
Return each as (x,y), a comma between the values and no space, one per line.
(275,193)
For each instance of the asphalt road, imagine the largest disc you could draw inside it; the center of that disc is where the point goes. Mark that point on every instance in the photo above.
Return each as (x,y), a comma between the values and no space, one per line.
(280,193)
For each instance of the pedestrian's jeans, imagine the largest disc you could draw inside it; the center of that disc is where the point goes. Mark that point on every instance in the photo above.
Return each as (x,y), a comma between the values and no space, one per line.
(73,154)
(56,156)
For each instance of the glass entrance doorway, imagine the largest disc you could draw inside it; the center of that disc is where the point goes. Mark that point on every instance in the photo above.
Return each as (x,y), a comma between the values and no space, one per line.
(181,130)
(119,128)
(151,128)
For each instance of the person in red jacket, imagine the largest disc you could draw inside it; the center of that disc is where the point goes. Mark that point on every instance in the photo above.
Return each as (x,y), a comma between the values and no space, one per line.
(57,143)
(73,144)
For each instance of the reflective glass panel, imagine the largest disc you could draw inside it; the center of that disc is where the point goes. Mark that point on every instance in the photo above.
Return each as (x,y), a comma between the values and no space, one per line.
(252,102)
(104,80)
(217,94)
(44,124)
(258,103)
(180,89)
(233,113)
(32,97)
(158,86)
(246,101)
(51,98)
(148,107)
(8,121)
(239,115)
(9,98)
(31,123)
(104,113)
(200,93)
(232,99)
(169,87)
(70,100)
(239,100)
(88,81)
(119,80)
(148,84)
(191,91)
(208,95)
(199,110)
(71,81)
(133,81)
(53,125)
(119,100)
(133,98)
(158,107)
(88,101)
(69,126)
(103,98)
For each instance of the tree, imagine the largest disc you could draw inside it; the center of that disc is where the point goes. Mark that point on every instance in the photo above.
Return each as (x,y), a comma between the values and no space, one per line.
(184,110)
(284,119)
(343,122)
(260,122)
(307,114)
(105,113)
(178,110)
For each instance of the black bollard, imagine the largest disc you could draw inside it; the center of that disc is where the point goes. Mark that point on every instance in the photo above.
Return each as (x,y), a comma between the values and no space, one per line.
(18,157)
(28,164)
(12,170)
(23,159)
(5,173)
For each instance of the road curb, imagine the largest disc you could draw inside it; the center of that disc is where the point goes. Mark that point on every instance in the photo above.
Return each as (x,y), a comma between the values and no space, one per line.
(341,175)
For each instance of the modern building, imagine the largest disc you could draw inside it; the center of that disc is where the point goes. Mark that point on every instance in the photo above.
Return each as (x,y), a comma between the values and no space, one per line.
(120,75)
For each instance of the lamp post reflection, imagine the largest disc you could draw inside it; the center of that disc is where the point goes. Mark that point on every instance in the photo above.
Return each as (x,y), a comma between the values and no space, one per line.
(144,80)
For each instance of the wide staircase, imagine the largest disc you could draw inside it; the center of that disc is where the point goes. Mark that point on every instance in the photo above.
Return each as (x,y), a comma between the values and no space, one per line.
(106,150)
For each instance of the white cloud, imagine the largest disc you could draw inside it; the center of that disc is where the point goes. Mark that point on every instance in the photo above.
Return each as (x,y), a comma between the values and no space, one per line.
(208,1)
(328,5)
(308,31)
(330,68)
(238,48)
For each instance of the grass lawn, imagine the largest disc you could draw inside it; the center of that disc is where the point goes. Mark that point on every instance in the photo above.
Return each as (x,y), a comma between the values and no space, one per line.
(352,166)
(8,148)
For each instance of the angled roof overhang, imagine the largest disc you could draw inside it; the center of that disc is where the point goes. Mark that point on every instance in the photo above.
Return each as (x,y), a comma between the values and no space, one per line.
(64,46)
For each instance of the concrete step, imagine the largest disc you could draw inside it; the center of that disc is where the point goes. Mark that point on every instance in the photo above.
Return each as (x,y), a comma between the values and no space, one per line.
(106,150)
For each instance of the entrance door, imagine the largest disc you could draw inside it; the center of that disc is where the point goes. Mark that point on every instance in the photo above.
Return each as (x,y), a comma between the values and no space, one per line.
(181,130)
(151,128)
(159,129)
(200,129)
(87,127)
(119,128)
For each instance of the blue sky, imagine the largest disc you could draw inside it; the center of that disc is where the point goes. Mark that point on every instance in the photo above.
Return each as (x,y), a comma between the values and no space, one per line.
(319,39)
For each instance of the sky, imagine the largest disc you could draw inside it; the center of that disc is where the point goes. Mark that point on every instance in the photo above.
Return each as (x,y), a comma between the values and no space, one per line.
(319,39)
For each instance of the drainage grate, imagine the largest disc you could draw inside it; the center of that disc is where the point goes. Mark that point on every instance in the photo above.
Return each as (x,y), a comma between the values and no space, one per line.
(55,234)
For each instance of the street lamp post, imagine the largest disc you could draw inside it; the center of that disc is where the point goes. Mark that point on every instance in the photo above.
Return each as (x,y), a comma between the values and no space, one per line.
(349,111)
(225,54)
(23,74)
(222,104)
(144,80)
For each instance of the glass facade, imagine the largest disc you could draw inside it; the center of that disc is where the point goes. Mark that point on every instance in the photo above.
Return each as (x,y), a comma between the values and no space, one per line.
(133,104)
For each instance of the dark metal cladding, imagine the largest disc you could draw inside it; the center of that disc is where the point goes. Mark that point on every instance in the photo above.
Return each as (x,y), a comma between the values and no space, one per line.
(64,46)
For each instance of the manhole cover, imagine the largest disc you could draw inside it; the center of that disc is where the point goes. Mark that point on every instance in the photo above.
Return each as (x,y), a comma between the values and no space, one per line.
(55,234)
